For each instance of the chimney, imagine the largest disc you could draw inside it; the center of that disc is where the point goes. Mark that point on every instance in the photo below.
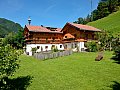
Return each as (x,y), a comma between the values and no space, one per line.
(29,20)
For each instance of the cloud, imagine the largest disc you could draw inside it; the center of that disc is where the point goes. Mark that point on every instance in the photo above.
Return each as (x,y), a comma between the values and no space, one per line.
(49,8)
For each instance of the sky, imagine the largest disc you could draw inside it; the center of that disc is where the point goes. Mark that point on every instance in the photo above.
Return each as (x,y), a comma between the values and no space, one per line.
(55,13)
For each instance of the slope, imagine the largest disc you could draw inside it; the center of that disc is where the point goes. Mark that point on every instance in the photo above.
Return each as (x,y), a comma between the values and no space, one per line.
(7,26)
(110,23)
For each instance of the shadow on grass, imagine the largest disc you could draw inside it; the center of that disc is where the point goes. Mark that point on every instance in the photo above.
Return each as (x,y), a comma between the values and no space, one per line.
(117,60)
(115,86)
(19,83)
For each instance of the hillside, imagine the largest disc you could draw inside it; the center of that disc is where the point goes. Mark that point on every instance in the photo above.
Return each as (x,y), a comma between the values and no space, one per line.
(7,26)
(110,23)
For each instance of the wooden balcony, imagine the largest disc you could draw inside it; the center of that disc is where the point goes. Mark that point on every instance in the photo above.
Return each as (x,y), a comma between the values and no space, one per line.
(43,41)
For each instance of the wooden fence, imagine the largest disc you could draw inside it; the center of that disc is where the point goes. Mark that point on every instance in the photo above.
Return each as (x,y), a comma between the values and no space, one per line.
(50,55)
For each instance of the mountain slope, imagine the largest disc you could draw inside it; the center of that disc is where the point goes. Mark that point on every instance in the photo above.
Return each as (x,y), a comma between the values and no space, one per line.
(110,23)
(7,26)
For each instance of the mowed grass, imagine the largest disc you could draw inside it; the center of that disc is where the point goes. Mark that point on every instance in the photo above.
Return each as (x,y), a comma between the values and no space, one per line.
(78,71)
(110,23)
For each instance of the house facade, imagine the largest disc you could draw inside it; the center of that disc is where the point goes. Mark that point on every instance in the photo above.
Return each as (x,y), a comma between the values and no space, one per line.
(71,36)
(75,35)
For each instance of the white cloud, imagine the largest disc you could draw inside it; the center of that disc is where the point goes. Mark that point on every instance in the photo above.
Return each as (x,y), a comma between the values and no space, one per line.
(49,8)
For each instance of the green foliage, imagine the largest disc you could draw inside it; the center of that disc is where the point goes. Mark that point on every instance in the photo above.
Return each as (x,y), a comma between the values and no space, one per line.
(7,26)
(105,40)
(34,49)
(14,39)
(92,46)
(83,20)
(9,39)
(104,8)
(8,60)
(117,48)
(54,48)
(117,52)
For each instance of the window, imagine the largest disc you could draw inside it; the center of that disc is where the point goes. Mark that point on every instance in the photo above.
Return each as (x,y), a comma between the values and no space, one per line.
(31,36)
(46,40)
(75,35)
(60,46)
(53,39)
(53,46)
(46,47)
(86,36)
(72,46)
(38,47)
(65,36)
(75,45)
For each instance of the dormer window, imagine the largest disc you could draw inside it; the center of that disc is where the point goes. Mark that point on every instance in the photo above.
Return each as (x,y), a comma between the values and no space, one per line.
(65,36)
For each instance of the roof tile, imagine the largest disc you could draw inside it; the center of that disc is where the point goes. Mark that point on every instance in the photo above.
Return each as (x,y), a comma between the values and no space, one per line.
(42,29)
(84,27)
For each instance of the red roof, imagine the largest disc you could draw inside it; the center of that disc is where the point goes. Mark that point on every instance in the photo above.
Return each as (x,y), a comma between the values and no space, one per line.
(83,27)
(42,29)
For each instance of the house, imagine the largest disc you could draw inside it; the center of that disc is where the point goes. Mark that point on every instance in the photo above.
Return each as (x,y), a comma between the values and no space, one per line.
(75,35)
(43,38)
(71,36)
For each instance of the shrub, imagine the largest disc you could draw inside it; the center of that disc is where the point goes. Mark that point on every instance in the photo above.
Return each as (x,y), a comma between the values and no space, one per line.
(8,61)
(92,46)
(117,52)
(54,49)
(34,50)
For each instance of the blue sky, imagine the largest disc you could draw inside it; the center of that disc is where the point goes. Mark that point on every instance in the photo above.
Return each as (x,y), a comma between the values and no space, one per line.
(45,12)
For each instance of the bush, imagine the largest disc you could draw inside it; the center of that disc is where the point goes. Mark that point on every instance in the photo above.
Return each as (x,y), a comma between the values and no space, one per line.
(92,46)
(54,49)
(8,61)
(117,52)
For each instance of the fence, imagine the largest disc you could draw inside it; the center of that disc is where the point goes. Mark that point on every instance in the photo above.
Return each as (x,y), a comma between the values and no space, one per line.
(50,55)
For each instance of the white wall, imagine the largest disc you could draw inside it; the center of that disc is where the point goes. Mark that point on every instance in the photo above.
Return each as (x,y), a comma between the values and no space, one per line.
(81,45)
(30,46)
(69,46)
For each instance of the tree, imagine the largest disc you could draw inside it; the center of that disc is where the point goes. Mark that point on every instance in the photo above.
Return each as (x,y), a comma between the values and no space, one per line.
(95,14)
(83,20)
(9,61)
(79,21)
(19,39)
(105,40)
(102,10)
(112,5)
(16,40)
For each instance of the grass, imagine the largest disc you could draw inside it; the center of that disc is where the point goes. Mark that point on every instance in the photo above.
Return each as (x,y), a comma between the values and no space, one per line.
(75,72)
(110,23)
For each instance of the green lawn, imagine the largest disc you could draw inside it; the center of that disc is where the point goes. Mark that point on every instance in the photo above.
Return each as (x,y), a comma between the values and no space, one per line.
(78,71)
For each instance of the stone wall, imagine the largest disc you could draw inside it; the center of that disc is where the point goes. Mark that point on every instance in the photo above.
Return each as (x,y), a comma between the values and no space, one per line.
(50,55)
